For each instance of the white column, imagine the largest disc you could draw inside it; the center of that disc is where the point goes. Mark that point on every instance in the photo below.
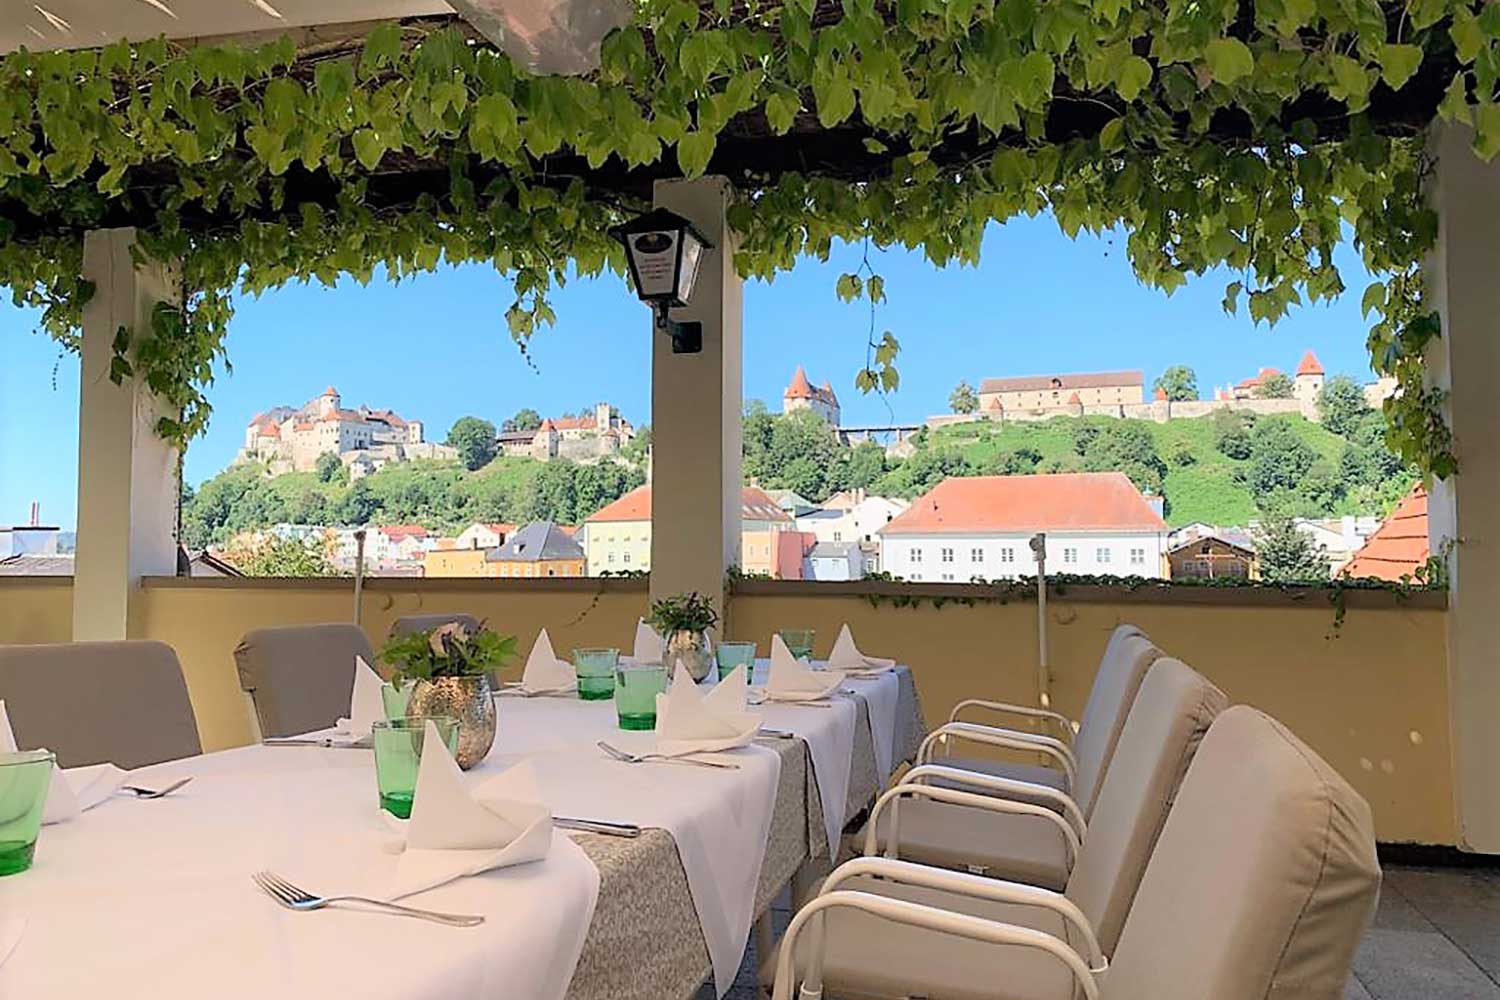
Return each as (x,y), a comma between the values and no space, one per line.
(127,475)
(1465,361)
(695,412)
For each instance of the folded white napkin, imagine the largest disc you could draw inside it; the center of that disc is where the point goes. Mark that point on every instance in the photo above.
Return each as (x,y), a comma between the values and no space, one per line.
(454,833)
(846,656)
(649,647)
(11,929)
(689,721)
(365,704)
(791,680)
(545,673)
(72,791)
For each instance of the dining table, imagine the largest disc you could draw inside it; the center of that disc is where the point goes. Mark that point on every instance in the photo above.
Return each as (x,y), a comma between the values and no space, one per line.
(154,898)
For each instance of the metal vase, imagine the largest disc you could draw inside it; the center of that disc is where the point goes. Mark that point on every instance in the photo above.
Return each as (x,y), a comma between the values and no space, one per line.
(692,650)
(469,700)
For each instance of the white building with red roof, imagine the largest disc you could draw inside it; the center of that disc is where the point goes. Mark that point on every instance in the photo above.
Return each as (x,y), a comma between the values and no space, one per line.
(585,437)
(803,395)
(292,440)
(980,527)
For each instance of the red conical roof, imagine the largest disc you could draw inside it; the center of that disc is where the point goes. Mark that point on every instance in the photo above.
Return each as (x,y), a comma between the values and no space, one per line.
(547,425)
(1309,365)
(800,387)
(1073,400)
(1160,394)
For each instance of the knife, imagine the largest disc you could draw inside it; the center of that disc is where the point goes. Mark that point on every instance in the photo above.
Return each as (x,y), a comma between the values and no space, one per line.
(597,826)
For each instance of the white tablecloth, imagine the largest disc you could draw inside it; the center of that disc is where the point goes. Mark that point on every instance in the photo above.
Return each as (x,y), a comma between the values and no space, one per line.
(153,899)
(719,819)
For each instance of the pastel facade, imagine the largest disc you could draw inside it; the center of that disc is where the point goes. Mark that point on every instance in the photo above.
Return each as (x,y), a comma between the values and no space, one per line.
(292,440)
(1061,392)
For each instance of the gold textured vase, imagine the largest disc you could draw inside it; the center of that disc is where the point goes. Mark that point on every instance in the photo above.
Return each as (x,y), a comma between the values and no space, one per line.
(692,650)
(469,700)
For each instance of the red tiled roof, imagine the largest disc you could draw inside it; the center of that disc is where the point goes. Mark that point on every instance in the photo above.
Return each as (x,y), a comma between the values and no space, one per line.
(1077,380)
(1257,378)
(1160,394)
(800,387)
(573,423)
(396,532)
(1309,365)
(755,505)
(1072,501)
(1399,546)
(1074,400)
(330,391)
(547,425)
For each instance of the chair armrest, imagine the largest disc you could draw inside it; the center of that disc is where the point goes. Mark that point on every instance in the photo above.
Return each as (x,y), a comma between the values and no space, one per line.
(1006,738)
(1007,787)
(978,886)
(1066,727)
(953,796)
(916,915)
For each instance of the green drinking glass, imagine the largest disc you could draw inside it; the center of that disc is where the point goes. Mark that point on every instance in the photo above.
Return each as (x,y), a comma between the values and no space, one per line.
(25,778)
(398,755)
(636,688)
(394,699)
(596,672)
(799,641)
(735,654)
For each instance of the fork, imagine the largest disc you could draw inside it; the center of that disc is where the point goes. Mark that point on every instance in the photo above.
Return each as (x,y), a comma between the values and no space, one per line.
(293,898)
(155,793)
(661,758)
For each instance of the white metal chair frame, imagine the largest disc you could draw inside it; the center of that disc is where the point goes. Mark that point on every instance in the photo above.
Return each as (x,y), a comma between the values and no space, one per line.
(1066,729)
(1014,788)
(1005,739)
(918,915)
(953,796)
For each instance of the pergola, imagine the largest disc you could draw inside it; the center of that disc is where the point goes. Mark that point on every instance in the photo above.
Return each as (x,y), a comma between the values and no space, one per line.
(1064,136)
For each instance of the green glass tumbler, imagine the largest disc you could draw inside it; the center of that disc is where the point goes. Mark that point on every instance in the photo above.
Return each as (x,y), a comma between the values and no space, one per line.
(799,641)
(735,654)
(596,672)
(25,779)
(395,698)
(398,755)
(636,688)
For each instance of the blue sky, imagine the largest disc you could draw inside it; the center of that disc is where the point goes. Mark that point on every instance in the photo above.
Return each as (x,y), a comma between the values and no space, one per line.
(435,347)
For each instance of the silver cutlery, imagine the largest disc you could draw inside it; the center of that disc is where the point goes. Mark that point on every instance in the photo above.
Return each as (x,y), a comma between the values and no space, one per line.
(775,734)
(294,898)
(327,743)
(155,793)
(597,826)
(661,758)
(791,702)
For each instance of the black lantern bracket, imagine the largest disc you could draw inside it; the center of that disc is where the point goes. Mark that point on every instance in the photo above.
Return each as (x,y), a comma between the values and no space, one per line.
(687,338)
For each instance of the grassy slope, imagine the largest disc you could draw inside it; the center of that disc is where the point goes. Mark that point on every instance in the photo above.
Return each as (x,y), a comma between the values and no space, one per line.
(1202,491)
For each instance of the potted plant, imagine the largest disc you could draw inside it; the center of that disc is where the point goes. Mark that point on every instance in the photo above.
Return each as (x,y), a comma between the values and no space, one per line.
(448,667)
(683,621)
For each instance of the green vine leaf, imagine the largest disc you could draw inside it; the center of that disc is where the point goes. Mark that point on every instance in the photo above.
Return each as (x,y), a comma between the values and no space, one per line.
(1229,60)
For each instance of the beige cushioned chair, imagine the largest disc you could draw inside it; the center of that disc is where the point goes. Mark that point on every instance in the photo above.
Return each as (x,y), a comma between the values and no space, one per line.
(92,702)
(300,677)
(1127,657)
(1261,883)
(407,624)
(864,955)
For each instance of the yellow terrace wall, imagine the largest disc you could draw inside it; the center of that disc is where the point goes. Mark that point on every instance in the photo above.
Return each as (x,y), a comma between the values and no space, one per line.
(1371,696)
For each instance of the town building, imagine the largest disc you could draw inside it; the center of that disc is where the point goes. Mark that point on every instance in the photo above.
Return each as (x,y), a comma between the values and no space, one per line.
(292,440)
(30,539)
(1338,537)
(617,537)
(1307,383)
(585,438)
(484,535)
(1206,552)
(980,527)
(834,561)
(1397,550)
(802,395)
(538,549)
(1076,391)
(857,521)
(454,561)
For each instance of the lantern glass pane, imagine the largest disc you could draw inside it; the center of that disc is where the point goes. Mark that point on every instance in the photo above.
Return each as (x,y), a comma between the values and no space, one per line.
(655,256)
(692,257)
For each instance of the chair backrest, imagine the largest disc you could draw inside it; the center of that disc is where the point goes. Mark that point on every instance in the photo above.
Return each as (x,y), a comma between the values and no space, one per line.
(1166,724)
(407,624)
(300,677)
(91,702)
(1126,659)
(1263,880)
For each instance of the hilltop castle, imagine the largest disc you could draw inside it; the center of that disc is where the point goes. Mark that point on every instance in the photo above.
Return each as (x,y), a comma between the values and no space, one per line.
(801,395)
(292,440)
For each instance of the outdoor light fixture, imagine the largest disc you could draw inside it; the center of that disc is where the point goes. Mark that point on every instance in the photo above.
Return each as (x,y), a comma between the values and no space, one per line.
(665,252)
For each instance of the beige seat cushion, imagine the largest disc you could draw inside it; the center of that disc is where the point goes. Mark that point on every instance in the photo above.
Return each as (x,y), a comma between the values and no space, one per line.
(866,957)
(1126,659)
(1262,882)
(1019,848)
(91,702)
(300,677)
(1033,773)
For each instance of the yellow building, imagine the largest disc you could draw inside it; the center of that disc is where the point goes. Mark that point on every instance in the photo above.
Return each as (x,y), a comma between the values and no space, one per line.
(454,562)
(1060,392)
(541,548)
(618,536)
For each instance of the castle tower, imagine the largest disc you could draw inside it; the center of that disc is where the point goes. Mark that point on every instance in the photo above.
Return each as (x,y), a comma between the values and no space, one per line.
(1308,381)
(601,417)
(328,403)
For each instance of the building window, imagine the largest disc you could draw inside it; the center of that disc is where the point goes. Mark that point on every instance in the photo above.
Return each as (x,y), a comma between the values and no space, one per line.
(625,557)
(947,555)
(611,557)
(1070,555)
(1137,557)
(976,555)
(916,555)
(1007,555)
(948,577)
(1102,555)
(838,536)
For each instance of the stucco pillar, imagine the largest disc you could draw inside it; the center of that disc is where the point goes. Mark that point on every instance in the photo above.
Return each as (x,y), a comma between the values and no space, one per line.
(1466,362)
(695,412)
(127,475)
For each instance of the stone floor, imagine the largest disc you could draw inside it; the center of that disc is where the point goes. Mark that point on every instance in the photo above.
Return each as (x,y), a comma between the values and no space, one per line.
(1436,936)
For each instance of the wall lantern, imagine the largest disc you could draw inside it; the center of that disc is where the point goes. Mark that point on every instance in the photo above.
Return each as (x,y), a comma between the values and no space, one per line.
(665,253)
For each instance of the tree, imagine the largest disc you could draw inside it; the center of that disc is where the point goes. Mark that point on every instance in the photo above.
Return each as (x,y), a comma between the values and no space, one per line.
(1232,432)
(358,505)
(924,470)
(277,556)
(1126,446)
(474,440)
(1277,385)
(328,467)
(962,399)
(866,465)
(1288,555)
(1341,405)
(525,419)
(1279,459)
(1179,382)
(1020,462)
